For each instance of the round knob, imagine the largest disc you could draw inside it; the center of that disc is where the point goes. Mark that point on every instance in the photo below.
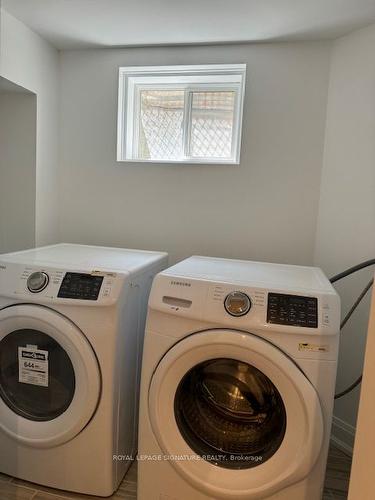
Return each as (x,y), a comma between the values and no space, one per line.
(237,304)
(37,281)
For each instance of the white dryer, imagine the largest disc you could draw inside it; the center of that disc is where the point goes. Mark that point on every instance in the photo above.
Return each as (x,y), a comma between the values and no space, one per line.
(238,380)
(71,335)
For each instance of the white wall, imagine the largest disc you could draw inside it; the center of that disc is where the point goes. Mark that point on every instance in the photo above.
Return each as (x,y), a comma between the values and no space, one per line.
(346,223)
(29,61)
(265,209)
(17,170)
(361,478)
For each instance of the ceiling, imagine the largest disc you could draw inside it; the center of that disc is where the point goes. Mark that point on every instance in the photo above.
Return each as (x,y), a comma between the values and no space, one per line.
(70,24)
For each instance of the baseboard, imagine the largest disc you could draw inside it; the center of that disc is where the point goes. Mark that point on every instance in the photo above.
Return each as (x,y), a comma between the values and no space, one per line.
(342,435)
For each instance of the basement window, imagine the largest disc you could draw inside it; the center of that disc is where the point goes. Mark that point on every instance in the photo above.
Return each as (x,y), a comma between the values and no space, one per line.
(181,114)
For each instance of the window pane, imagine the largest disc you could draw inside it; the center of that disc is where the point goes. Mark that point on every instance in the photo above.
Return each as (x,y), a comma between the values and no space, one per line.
(212,124)
(161,125)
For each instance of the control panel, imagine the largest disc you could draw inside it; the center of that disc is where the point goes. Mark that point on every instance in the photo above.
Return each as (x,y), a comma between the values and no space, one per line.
(80,286)
(46,285)
(292,310)
(248,308)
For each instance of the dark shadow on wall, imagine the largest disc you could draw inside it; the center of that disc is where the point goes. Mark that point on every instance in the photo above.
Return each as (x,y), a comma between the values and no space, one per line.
(18,114)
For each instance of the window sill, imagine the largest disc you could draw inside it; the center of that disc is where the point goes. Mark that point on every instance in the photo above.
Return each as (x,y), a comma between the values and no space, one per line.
(198,161)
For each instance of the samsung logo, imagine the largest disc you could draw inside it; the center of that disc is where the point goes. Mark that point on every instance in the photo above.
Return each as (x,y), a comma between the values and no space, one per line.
(180,283)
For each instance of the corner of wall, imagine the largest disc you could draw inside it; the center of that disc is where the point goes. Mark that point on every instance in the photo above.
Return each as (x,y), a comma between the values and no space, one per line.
(315,249)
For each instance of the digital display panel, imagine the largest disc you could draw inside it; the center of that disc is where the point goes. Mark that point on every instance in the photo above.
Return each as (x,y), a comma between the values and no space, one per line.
(80,286)
(293,310)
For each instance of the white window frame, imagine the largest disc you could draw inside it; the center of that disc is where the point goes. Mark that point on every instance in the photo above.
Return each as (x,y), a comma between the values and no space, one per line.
(212,77)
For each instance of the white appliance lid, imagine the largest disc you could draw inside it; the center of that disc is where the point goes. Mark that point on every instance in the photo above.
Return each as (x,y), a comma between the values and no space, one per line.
(252,273)
(85,257)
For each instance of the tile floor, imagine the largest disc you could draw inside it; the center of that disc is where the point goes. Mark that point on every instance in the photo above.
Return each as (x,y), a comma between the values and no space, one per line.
(337,475)
(336,486)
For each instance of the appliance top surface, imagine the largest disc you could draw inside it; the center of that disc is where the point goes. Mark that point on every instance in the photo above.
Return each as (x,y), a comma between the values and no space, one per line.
(84,257)
(287,277)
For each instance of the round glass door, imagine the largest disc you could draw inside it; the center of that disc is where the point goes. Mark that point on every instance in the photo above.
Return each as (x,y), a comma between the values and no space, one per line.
(230,413)
(50,379)
(37,378)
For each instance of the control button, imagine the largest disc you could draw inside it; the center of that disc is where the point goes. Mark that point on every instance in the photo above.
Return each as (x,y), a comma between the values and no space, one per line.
(237,304)
(37,281)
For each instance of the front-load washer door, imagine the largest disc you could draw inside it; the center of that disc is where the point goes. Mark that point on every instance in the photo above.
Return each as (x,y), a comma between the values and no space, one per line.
(234,415)
(49,376)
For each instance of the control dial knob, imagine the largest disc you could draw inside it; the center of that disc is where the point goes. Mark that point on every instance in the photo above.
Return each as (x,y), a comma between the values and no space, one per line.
(237,303)
(37,281)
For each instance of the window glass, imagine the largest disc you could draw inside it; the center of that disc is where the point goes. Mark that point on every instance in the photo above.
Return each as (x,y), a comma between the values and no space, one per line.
(161,124)
(212,124)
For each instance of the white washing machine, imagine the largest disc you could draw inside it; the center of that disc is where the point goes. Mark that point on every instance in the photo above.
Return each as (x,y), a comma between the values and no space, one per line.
(238,381)
(71,333)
